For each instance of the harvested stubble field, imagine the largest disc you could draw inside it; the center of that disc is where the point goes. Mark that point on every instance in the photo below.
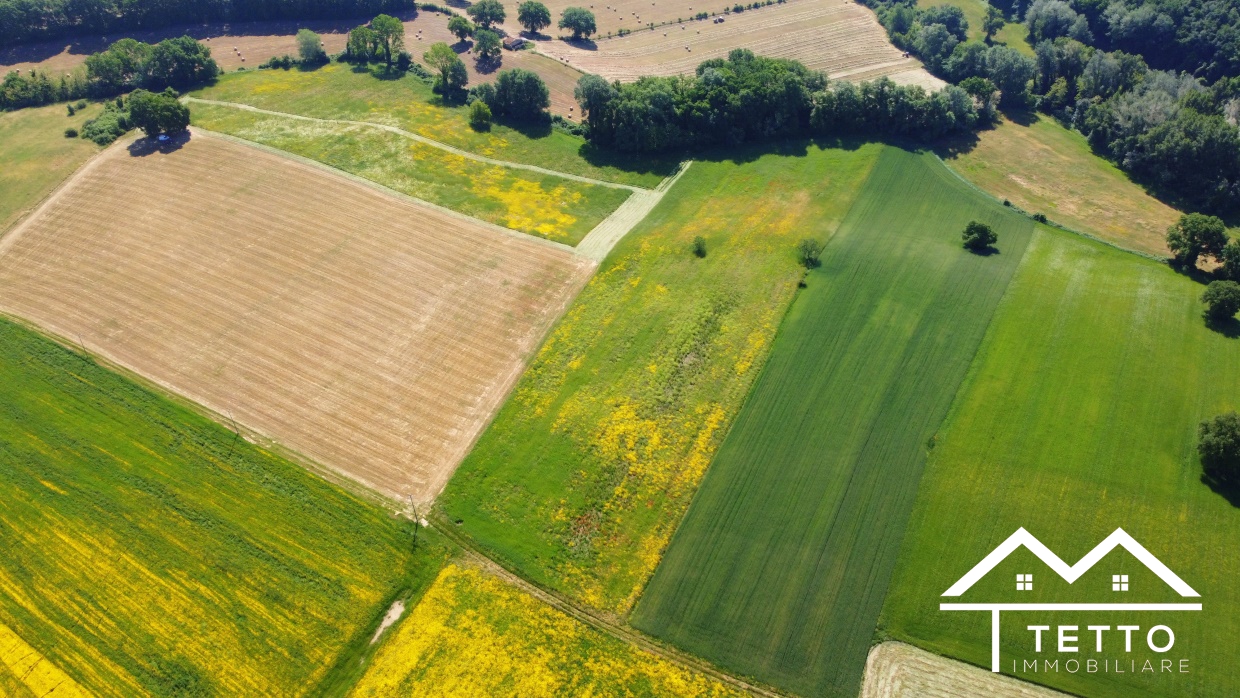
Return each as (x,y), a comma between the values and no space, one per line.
(1079,416)
(842,38)
(36,156)
(588,468)
(781,564)
(150,551)
(474,635)
(897,670)
(374,335)
(341,91)
(551,207)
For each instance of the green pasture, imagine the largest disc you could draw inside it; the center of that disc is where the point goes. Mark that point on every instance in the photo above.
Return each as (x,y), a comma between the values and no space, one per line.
(781,564)
(35,156)
(552,207)
(1078,417)
(148,550)
(588,468)
(342,91)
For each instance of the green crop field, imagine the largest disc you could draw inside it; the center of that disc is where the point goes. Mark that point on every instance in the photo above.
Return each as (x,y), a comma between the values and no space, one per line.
(35,156)
(552,207)
(340,91)
(588,468)
(1079,416)
(780,567)
(150,550)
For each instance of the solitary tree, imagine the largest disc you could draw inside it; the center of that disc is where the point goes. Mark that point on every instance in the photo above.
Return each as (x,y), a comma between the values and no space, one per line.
(978,236)
(1218,444)
(310,47)
(461,27)
(486,46)
(479,115)
(487,13)
(533,15)
(157,113)
(452,76)
(1194,235)
(579,21)
(390,34)
(699,246)
(993,22)
(809,252)
(1222,299)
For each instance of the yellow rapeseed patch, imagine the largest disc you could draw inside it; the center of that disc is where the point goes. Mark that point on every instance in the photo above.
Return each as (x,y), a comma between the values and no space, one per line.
(473,634)
(30,672)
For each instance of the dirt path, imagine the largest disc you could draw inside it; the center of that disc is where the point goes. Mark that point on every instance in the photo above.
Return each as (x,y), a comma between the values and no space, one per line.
(897,670)
(421,139)
(597,243)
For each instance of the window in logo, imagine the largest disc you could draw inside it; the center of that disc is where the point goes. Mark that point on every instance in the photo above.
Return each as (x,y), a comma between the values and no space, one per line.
(1119,582)
(1024,582)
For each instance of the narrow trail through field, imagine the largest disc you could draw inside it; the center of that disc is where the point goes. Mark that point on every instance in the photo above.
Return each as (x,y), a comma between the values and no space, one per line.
(421,139)
(611,627)
(596,245)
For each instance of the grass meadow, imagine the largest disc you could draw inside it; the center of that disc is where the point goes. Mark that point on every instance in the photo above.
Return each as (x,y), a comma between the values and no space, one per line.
(1079,416)
(1043,167)
(342,91)
(1013,34)
(474,635)
(35,156)
(149,550)
(588,468)
(555,208)
(781,565)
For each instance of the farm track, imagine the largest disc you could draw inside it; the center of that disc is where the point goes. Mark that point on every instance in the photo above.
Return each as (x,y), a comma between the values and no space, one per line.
(593,618)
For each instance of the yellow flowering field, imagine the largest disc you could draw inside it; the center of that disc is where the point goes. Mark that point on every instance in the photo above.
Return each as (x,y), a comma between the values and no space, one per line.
(474,635)
(587,470)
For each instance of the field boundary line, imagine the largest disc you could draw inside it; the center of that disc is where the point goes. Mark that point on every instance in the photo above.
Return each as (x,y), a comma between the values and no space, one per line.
(421,139)
(616,630)
(301,159)
(1050,223)
(599,242)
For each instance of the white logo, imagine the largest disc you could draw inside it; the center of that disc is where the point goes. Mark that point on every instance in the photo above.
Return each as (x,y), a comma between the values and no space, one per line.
(1070,574)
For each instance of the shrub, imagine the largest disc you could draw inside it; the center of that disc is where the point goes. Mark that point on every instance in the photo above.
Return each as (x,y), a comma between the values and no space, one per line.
(1039,217)
(479,116)
(1218,444)
(1222,299)
(699,246)
(111,124)
(72,111)
(978,236)
(809,252)
(71,133)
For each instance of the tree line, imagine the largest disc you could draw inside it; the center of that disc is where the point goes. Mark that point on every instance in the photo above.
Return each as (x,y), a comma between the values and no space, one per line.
(749,98)
(1173,130)
(25,20)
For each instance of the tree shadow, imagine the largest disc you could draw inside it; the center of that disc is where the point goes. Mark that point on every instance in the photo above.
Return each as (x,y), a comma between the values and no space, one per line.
(385,73)
(987,251)
(462,46)
(1021,116)
(583,44)
(486,66)
(1227,490)
(540,128)
(1229,327)
(534,36)
(151,146)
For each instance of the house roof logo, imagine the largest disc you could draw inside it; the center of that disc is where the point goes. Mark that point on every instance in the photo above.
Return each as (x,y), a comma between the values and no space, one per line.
(1070,573)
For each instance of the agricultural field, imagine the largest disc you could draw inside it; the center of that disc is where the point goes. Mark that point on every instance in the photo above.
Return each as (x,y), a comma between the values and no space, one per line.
(897,670)
(1079,416)
(472,634)
(588,468)
(337,91)
(551,207)
(842,38)
(1013,34)
(780,566)
(1045,168)
(36,156)
(149,550)
(373,335)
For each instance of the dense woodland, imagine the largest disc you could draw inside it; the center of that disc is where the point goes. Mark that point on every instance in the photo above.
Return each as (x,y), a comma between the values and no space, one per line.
(1154,86)
(36,20)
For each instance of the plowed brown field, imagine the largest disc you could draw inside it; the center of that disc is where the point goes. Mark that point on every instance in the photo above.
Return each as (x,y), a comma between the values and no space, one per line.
(837,36)
(897,670)
(374,335)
